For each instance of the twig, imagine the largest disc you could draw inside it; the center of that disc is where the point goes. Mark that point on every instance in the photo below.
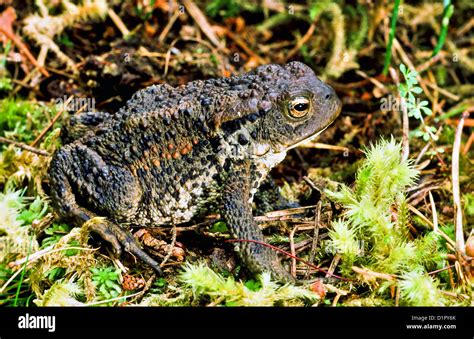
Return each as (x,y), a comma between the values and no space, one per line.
(460,244)
(25,147)
(48,250)
(290,255)
(242,44)
(202,22)
(171,247)
(25,50)
(405,123)
(293,252)
(372,80)
(147,286)
(112,299)
(303,40)
(118,22)
(168,26)
(35,256)
(428,63)
(282,213)
(314,243)
(378,275)
(433,210)
(319,145)
(427,146)
(333,265)
(446,93)
(441,269)
(425,219)
(468,144)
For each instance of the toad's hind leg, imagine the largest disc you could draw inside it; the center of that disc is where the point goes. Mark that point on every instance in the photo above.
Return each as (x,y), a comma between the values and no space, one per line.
(77,172)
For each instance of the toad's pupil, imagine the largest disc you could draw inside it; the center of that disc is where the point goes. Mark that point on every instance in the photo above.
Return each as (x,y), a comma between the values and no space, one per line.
(301,107)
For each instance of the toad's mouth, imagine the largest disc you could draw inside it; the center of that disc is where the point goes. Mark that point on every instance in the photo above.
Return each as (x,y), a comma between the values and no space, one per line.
(299,143)
(315,135)
(307,139)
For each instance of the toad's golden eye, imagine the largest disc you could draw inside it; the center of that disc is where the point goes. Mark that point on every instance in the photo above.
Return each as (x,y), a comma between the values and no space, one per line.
(299,107)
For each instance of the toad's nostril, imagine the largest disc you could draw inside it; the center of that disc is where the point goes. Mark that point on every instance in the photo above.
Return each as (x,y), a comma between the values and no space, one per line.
(327,96)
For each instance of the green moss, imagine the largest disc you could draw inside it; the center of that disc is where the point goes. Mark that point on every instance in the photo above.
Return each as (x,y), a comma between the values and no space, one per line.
(204,282)
(374,232)
(21,120)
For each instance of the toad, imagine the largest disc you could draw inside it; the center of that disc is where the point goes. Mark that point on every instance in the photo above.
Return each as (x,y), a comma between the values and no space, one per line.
(175,153)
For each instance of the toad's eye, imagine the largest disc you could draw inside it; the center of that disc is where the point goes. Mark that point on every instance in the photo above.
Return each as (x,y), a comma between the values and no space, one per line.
(299,107)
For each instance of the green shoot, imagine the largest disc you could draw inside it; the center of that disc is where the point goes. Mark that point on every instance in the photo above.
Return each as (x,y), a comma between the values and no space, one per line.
(223,8)
(416,108)
(23,271)
(448,12)
(393,24)
(107,282)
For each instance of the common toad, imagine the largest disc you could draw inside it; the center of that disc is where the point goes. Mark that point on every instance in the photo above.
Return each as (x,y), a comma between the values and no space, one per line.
(175,153)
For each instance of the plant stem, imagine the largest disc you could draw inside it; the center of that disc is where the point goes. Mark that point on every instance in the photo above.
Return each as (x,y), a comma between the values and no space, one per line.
(393,23)
(448,12)
(22,273)
(25,147)
(455,178)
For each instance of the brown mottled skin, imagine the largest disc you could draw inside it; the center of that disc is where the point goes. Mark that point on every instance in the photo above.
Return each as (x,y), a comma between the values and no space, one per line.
(171,154)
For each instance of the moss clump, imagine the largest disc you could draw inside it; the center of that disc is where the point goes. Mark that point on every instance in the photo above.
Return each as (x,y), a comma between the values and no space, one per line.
(199,281)
(374,230)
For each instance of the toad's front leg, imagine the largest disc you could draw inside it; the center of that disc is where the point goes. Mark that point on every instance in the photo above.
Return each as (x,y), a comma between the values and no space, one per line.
(237,213)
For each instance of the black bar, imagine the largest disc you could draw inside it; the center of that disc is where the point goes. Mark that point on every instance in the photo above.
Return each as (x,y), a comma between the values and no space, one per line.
(100,320)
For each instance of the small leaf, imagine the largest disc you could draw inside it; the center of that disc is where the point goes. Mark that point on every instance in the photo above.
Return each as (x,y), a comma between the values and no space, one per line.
(417,90)
(427,111)
(403,68)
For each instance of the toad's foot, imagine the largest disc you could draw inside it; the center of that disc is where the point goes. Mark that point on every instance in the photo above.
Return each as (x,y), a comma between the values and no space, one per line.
(119,238)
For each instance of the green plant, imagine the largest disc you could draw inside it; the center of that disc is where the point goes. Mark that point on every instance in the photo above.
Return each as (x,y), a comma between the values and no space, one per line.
(35,211)
(416,108)
(425,133)
(374,230)
(21,120)
(54,233)
(224,8)
(107,282)
(393,24)
(219,227)
(5,80)
(18,292)
(447,13)
(144,12)
(408,91)
(420,289)
(62,293)
(64,40)
(15,225)
(203,281)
